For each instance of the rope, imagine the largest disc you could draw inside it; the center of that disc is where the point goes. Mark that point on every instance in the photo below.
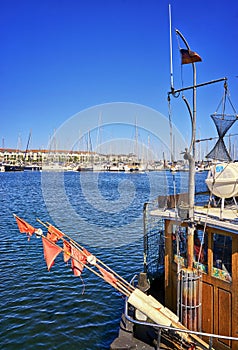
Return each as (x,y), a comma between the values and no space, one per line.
(204,228)
(225,97)
(181,69)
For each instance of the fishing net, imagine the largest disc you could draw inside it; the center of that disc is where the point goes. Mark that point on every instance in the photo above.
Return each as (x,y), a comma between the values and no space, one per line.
(223,123)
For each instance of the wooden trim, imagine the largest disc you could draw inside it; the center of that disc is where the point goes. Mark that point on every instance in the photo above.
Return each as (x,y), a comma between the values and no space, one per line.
(168,263)
(235,289)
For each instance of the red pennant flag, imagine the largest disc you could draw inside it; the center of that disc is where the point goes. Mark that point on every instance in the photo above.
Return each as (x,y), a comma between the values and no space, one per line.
(51,251)
(107,276)
(24,227)
(54,234)
(86,252)
(78,261)
(189,56)
(67,251)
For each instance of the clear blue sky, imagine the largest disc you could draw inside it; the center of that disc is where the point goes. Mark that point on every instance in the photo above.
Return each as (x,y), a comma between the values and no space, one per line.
(59,57)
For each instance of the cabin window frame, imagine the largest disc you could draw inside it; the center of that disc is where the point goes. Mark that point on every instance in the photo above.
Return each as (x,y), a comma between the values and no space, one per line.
(221,272)
(203,236)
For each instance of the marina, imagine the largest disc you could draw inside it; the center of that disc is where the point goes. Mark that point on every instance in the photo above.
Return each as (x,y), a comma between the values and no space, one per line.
(123,244)
(37,160)
(41,287)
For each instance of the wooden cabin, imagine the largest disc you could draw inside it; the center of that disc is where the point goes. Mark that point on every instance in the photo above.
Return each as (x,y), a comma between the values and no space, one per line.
(214,308)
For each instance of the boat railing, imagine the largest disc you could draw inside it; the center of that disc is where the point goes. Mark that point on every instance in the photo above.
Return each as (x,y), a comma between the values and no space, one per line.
(161,327)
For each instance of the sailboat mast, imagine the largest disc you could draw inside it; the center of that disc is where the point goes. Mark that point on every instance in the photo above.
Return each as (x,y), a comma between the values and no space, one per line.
(27,146)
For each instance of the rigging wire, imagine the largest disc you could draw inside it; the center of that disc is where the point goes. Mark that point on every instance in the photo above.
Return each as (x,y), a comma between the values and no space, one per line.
(170,130)
(225,97)
(181,68)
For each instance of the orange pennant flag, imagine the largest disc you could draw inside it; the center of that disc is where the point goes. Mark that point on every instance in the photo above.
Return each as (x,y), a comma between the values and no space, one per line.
(54,234)
(51,251)
(107,276)
(24,227)
(86,252)
(78,261)
(67,251)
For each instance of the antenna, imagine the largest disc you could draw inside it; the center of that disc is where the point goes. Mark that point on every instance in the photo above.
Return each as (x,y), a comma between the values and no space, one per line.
(171,51)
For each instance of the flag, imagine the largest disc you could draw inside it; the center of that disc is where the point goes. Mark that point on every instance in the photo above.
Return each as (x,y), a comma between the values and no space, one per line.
(189,56)
(51,251)
(86,252)
(24,227)
(78,261)
(54,234)
(107,276)
(67,251)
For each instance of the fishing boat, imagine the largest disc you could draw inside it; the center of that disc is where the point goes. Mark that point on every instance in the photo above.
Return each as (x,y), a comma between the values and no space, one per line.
(186,297)
(191,251)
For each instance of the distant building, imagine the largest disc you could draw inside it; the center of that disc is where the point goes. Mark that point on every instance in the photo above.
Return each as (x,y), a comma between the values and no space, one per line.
(33,156)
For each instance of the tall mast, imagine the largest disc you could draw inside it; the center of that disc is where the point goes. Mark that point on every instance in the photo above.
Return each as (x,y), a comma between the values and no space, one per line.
(171,50)
(171,84)
(190,156)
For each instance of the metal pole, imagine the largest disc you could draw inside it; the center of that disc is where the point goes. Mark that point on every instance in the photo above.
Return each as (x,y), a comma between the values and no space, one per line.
(190,156)
(174,92)
(159,338)
(145,236)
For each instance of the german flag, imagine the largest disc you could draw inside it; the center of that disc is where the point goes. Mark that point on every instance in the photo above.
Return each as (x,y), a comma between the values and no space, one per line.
(189,56)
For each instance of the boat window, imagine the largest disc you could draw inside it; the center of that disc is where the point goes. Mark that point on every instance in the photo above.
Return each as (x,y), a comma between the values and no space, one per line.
(200,249)
(222,257)
(179,244)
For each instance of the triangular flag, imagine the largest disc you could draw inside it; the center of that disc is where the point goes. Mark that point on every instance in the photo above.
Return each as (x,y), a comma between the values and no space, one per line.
(107,276)
(54,234)
(24,227)
(51,251)
(78,261)
(67,251)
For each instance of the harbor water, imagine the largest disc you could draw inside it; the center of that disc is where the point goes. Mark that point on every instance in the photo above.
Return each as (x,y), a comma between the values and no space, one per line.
(57,310)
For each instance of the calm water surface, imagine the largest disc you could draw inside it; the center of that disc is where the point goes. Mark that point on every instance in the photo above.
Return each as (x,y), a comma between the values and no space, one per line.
(48,310)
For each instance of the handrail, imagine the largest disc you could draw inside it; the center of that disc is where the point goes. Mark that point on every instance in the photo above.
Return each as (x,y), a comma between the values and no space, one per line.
(160,326)
(176,329)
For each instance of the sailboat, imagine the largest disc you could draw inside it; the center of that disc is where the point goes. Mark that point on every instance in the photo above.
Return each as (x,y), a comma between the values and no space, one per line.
(20,165)
(88,165)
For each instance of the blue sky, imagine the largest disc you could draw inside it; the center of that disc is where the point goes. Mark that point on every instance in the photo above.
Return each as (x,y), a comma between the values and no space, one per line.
(59,57)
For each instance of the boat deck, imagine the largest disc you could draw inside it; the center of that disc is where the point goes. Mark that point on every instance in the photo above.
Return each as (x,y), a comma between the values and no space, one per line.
(204,215)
